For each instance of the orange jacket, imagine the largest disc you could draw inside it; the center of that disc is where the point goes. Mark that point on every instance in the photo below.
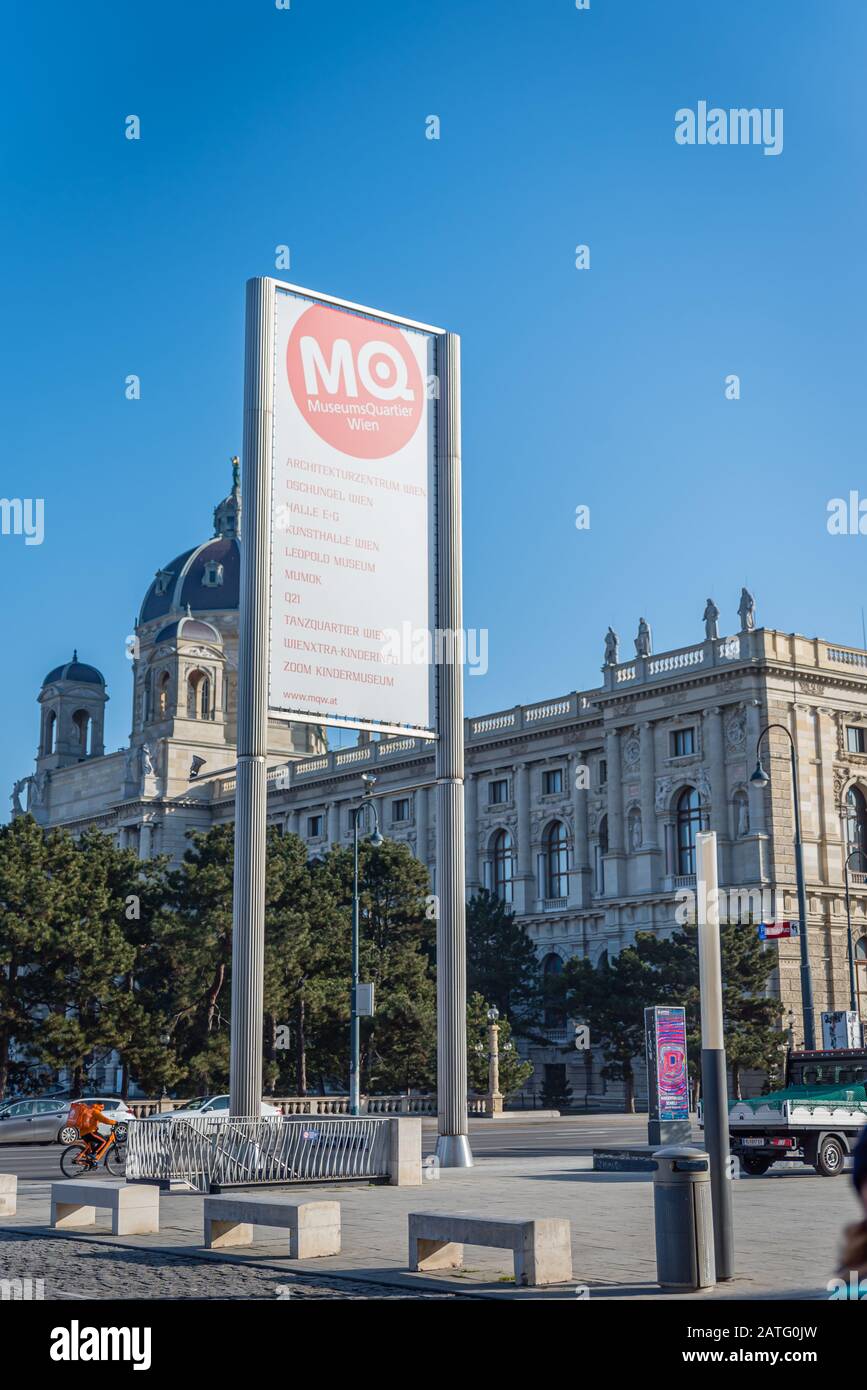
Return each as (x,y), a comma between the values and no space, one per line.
(87,1118)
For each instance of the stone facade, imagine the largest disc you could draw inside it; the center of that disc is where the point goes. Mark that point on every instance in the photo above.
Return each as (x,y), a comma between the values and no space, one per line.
(580,810)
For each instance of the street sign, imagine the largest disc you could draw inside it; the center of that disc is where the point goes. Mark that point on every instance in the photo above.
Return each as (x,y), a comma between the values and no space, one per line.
(582,1037)
(775,931)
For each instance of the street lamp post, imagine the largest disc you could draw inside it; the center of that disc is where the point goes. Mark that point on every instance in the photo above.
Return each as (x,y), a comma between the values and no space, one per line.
(760,778)
(495,1095)
(358,812)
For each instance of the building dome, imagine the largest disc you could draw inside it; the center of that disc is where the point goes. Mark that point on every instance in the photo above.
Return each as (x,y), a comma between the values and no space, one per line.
(189,629)
(206,579)
(75,670)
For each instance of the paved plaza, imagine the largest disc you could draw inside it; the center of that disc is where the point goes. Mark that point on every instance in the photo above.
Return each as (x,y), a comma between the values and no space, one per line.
(788,1227)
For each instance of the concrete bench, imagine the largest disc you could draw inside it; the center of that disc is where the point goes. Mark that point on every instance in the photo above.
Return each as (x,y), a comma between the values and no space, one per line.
(314,1227)
(542,1248)
(134,1207)
(8,1194)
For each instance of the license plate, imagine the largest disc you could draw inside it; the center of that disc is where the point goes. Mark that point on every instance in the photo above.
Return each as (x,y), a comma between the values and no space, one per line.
(759,1142)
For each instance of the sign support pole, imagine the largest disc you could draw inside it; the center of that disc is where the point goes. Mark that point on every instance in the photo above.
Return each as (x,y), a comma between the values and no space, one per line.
(714,1082)
(248,910)
(453,1145)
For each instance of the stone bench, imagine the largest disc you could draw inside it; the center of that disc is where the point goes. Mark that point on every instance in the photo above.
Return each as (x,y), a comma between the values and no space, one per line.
(134,1207)
(8,1194)
(314,1227)
(542,1248)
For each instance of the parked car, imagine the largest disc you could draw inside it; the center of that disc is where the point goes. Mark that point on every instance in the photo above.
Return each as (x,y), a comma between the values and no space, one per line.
(208,1105)
(42,1120)
(32,1121)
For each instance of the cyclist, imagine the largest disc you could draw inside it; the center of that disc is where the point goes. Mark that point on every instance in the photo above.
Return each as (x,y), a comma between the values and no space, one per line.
(87,1118)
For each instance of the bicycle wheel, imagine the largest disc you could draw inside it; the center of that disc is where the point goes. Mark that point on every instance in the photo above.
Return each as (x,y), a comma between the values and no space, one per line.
(115,1160)
(70,1161)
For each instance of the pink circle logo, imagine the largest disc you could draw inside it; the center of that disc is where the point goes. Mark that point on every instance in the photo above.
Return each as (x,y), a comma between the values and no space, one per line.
(355,381)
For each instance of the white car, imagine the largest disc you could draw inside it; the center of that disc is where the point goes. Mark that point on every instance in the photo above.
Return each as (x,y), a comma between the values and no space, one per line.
(116,1110)
(208,1105)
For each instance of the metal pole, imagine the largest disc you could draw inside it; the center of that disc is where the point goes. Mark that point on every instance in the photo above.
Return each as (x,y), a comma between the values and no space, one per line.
(853,984)
(760,777)
(806,972)
(453,1145)
(248,905)
(355,1030)
(714,1082)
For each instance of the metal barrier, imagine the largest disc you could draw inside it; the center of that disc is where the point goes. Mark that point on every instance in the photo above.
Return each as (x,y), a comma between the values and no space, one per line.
(211,1151)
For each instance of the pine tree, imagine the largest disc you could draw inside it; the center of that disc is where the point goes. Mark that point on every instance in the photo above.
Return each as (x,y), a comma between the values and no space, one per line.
(611,998)
(398,1044)
(197,949)
(87,954)
(502,963)
(293,953)
(30,898)
(664,971)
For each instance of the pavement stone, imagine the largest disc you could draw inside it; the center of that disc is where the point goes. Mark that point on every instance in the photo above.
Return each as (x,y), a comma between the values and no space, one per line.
(787,1231)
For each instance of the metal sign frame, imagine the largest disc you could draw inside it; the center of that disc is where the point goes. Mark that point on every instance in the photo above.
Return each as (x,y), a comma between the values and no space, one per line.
(248,941)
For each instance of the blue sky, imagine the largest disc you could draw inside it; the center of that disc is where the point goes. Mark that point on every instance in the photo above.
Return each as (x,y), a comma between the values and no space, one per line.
(602,387)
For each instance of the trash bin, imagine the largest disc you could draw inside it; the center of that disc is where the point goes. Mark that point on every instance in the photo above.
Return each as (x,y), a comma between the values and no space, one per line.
(684,1218)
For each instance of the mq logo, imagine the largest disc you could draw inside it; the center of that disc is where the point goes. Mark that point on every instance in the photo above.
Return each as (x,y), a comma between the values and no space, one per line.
(355,381)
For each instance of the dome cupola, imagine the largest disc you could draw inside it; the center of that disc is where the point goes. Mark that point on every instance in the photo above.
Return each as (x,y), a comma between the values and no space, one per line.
(206,579)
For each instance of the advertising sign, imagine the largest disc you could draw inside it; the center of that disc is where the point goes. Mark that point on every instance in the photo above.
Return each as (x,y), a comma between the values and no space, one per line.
(841,1029)
(667,1078)
(352,516)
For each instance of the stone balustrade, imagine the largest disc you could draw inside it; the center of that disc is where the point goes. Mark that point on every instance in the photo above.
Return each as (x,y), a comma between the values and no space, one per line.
(325,1105)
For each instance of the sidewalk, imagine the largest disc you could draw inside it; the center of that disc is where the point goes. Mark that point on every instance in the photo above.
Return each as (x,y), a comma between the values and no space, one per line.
(787,1230)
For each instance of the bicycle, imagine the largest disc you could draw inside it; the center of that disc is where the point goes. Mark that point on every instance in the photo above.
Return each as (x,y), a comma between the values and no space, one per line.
(80,1158)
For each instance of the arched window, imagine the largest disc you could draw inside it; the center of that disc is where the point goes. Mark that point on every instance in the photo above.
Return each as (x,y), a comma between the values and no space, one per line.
(856,827)
(50,731)
(688,826)
(555,1014)
(82,724)
(163,683)
(861,976)
(502,865)
(198,696)
(555,861)
(601,851)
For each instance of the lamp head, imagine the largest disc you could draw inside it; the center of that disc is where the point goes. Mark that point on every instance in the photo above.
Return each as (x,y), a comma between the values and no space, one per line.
(376,838)
(760,778)
(493,1014)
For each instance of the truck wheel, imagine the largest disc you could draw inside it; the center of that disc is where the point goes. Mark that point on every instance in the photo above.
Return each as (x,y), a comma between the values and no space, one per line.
(830,1158)
(755,1164)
